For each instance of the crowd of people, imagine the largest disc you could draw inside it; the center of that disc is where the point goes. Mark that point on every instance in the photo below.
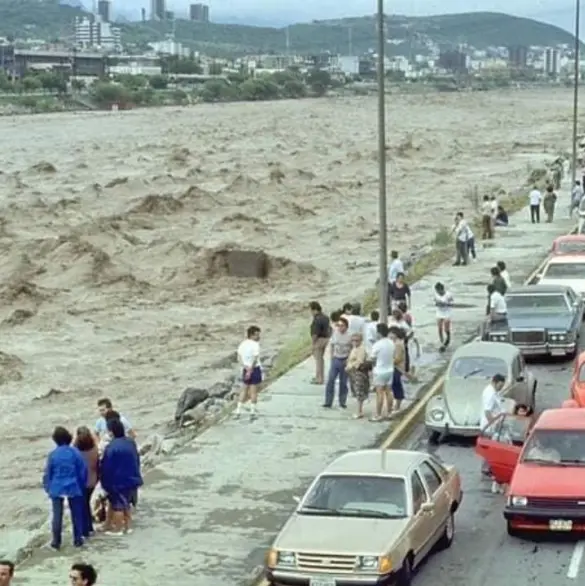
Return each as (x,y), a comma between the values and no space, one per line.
(80,574)
(98,473)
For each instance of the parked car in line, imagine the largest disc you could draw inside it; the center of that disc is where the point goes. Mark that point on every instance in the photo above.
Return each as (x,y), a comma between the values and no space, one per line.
(569,244)
(369,518)
(542,320)
(577,388)
(457,410)
(543,464)
(568,270)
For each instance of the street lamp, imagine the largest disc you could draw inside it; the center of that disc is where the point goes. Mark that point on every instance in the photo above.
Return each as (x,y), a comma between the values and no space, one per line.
(576,93)
(382,219)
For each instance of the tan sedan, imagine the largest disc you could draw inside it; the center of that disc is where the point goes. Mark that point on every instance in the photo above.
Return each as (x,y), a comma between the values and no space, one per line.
(368,519)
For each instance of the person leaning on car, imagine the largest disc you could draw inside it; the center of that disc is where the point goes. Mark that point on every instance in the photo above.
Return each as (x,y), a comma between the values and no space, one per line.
(491,402)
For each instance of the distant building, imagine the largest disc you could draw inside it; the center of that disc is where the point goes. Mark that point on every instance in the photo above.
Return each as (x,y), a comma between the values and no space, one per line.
(104,10)
(75,62)
(552,62)
(455,61)
(199,12)
(348,65)
(158,9)
(518,56)
(94,33)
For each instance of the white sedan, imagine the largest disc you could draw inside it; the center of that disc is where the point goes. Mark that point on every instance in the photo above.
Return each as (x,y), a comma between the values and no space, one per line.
(565,270)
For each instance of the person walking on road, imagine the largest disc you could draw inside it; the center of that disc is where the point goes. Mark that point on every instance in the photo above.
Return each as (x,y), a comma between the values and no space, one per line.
(443,303)
(6,572)
(487,224)
(396,395)
(399,292)
(320,334)
(65,477)
(576,197)
(461,231)
(535,198)
(340,349)
(549,202)
(396,267)
(249,359)
(383,358)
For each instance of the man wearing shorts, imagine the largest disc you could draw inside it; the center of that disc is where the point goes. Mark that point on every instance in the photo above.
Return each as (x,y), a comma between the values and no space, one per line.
(383,357)
(249,359)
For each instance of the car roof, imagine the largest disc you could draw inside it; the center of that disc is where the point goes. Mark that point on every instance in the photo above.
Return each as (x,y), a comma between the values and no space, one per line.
(488,349)
(570,238)
(561,419)
(568,259)
(376,462)
(537,289)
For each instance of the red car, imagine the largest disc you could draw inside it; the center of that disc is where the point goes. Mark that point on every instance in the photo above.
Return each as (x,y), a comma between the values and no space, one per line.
(569,244)
(578,381)
(543,465)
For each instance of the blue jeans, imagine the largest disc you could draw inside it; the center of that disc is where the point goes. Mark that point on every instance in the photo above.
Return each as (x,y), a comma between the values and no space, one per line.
(77,510)
(336,370)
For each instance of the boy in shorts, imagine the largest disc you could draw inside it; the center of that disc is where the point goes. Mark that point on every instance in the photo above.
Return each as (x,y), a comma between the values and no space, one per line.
(249,359)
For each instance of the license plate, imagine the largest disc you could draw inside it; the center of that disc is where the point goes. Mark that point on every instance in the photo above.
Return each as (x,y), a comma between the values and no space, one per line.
(560,525)
(557,352)
(322,582)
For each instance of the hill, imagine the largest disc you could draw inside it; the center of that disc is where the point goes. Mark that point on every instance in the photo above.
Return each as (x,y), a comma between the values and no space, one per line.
(49,19)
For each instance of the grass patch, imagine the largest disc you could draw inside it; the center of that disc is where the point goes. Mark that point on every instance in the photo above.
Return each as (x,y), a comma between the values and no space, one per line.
(299,348)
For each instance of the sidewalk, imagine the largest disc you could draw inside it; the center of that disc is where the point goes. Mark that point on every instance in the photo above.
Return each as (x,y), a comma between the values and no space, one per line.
(208,514)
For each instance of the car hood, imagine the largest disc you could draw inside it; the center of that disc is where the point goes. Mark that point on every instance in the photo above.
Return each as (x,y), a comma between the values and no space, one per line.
(578,285)
(339,535)
(463,399)
(539,321)
(534,480)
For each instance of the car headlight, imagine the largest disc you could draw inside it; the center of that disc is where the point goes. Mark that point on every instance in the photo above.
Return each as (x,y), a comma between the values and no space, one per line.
(517,501)
(499,337)
(368,563)
(437,415)
(286,558)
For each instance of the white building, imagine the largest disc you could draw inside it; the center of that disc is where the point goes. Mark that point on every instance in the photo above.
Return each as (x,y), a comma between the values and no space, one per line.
(94,33)
(170,47)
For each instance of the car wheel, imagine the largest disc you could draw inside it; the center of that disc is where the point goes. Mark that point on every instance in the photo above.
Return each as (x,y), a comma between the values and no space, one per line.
(446,538)
(435,438)
(404,577)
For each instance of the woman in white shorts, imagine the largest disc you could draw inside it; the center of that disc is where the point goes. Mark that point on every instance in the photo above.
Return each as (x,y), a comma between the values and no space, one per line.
(444,304)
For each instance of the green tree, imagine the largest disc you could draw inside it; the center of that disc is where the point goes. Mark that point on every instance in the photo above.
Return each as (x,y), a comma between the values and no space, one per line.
(175,64)
(294,89)
(31,84)
(254,90)
(78,85)
(5,83)
(106,93)
(215,68)
(53,82)
(132,82)
(217,90)
(158,82)
(319,81)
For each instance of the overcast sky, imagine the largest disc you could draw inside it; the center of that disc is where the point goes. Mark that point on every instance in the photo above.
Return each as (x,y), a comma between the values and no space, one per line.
(277,12)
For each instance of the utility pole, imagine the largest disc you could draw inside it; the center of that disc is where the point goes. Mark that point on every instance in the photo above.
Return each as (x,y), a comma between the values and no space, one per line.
(382,219)
(576,92)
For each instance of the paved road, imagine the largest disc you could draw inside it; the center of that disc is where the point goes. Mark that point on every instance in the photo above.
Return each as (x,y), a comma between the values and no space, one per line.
(483,554)
(208,513)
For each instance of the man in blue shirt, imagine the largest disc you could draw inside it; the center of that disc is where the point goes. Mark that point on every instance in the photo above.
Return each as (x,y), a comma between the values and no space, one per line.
(65,477)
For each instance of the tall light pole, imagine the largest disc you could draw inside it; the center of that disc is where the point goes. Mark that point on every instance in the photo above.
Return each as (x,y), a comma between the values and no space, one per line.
(383,234)
(576,93)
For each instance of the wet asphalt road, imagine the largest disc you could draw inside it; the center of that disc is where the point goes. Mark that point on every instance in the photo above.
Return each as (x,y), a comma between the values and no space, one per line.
(483,554)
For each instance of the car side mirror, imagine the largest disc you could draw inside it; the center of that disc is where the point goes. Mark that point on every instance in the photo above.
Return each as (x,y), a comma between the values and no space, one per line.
(520,379)
(427,507)
(538,276)
(297,499)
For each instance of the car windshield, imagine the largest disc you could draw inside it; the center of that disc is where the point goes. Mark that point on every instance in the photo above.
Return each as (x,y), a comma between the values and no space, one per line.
(381,497)
(532,302)
(478,367)
(571,246)
(556,447)
(565,270)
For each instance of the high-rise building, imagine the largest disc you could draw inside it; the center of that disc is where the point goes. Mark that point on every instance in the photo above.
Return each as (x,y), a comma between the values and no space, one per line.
(552,64)
(518,56)
(94,33)
(104,10)
(158,9)
(199,12)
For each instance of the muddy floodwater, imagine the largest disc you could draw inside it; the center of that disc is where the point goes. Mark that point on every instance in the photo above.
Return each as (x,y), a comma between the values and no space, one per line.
(114,227)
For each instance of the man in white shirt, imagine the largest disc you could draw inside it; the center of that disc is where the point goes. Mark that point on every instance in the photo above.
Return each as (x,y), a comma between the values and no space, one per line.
(370,332)
(497,311)
(396,267)
(383,357)
(491,407)
(461,230)
(356,322)
(535,198)
(106,406)
(249,359)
